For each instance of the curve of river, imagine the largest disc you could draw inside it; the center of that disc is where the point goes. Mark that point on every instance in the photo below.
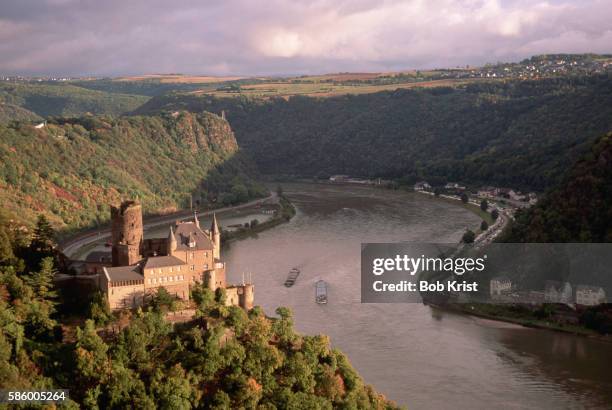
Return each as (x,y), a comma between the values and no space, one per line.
(417,356)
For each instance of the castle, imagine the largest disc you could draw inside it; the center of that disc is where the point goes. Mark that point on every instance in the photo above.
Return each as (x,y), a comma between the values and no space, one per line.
(187,256)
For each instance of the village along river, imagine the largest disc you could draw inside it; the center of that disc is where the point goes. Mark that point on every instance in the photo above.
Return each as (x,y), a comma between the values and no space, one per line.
(415,355)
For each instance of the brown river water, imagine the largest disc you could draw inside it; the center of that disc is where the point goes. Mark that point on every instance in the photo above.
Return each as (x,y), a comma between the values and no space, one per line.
(415,355)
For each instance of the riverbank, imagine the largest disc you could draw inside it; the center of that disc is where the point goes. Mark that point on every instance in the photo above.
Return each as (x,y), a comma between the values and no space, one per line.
(496,313)
(283,214)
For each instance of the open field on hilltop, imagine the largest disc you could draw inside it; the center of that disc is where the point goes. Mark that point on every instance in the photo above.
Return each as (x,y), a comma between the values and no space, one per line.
(180,79)
(341,77)
(322,89)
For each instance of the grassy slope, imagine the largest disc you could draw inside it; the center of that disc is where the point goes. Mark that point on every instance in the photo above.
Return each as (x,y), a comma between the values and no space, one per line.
(66,100)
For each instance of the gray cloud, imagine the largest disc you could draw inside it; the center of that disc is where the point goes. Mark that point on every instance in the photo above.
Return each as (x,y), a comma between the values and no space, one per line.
(248,37)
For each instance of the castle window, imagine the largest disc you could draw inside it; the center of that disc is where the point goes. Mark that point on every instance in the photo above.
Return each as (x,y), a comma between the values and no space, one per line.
(206,266)
(170,268)
(160,270)
(192,267)
(178,268)
(206,254)
(181,277)
(192,255)
(169,278)
(154,280)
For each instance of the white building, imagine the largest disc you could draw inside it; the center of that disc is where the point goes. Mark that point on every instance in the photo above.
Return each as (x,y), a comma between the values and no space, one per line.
(558,292)
(500,285)
(422,186)
(453,185)
(515,195)
(338,178)
(590,295)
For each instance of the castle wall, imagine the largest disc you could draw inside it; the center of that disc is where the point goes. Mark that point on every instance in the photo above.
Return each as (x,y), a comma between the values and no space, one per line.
(125,296)
(231,297)
(180,290)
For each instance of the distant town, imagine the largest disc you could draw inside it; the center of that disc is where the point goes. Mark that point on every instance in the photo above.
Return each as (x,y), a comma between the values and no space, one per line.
(548,65)
(503,290)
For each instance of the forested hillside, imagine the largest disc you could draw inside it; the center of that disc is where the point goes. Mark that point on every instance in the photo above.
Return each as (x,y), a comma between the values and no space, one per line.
(579,210)
(10,112)
(50,99)
(72,169)
(522,134)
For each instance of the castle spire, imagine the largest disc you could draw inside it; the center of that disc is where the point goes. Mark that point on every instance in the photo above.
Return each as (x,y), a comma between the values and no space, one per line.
(195,218)
(171,242)
(215,235)
(214,228)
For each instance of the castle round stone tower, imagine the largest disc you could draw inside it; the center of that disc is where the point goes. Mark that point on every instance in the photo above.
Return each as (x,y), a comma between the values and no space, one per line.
(126,233)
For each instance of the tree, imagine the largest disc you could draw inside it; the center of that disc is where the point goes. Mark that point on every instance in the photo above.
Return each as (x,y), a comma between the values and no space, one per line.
(494,214)
(254,223)
(6,250)
(464,198)
(484,205)
(41,281)
(279,190)
(484,226)
(163,300)
(283,327)
(92,362)
(99,311)
(220,296)
(240,193)
(468,237)
(171,388)
(43,240)
(202,295)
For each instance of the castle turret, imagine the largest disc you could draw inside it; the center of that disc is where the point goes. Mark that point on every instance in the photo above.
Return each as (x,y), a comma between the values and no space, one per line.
(126,233)
(171,242)
(210,279)
(246,296)
(215,234)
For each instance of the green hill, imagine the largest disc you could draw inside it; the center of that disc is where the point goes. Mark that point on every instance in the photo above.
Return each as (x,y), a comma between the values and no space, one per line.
(10,112)
(522,134)
(72,169)
(578,210)
(49,99)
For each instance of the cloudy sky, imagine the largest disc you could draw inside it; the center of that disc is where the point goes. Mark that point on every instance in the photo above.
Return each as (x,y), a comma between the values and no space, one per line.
(263,37)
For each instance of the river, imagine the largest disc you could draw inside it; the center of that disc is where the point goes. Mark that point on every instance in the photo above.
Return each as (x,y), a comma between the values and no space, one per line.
(415,355)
